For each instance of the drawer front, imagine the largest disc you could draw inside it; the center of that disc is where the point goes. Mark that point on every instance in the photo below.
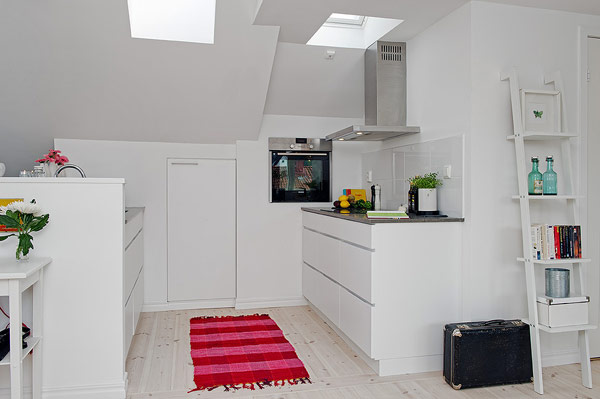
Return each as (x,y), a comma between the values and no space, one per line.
(132,264)
(322,253)
(323,293)
(354,232)
(356,271)
(132,227)
(138,298)
(128,325)
(356,320)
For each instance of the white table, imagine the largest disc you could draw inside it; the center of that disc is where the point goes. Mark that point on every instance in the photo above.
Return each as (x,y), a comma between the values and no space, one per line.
(16,277)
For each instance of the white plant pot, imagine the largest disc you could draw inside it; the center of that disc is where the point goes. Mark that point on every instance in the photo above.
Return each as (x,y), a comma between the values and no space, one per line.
(427,200)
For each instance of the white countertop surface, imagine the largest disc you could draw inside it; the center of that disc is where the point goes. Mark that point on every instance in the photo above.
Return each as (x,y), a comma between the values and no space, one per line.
(63,180)
(10,268)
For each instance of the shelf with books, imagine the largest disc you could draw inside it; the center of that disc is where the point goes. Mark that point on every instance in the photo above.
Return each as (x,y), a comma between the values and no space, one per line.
(548,244)
(556,261)
(548,197)
(537,136)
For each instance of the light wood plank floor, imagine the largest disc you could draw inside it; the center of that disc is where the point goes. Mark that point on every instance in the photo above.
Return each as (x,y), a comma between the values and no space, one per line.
(160,367)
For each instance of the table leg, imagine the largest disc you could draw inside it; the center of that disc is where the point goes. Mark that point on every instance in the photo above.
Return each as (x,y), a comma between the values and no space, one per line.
(16,334)
(37,331)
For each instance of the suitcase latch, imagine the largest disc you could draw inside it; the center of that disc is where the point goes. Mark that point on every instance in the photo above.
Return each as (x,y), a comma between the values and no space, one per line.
(456,333)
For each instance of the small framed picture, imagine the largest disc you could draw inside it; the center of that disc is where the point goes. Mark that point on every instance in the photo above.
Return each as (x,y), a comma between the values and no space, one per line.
(541,110)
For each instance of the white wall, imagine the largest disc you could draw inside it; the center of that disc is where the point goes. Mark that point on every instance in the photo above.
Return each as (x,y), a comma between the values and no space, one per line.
(454,88)
(144,167)
(304,82)
(269,256)
(535,41)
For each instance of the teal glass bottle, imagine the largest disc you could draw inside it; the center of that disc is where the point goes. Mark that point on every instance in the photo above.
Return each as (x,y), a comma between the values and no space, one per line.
(549,177)
(535,178)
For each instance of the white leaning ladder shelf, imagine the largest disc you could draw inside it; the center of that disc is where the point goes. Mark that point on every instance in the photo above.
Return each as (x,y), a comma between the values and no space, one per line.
(519,137)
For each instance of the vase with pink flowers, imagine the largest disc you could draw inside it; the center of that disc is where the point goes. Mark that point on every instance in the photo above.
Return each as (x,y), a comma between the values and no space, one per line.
(51,161)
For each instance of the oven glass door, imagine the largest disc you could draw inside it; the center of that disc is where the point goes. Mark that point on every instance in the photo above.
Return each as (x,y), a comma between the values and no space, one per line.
(300,177)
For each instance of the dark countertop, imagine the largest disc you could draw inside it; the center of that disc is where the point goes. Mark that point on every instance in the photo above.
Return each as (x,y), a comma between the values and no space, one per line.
(362,217)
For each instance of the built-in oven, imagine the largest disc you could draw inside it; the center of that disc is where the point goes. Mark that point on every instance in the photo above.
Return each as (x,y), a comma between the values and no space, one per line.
(300,170)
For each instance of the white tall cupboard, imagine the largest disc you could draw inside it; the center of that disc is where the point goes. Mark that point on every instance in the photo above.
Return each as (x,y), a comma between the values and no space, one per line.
(201,198)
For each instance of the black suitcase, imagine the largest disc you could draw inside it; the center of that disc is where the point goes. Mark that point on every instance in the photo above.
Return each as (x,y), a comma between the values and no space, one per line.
(480,354)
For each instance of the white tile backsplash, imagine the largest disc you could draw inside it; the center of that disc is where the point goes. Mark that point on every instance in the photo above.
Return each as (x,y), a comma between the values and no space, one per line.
(392,167)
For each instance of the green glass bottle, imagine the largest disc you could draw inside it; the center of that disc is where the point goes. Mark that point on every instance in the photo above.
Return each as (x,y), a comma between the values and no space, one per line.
(549,177)
(535,178)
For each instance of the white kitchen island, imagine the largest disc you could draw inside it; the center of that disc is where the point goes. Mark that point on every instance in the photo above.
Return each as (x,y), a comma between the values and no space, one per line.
(85,289)
(388,288)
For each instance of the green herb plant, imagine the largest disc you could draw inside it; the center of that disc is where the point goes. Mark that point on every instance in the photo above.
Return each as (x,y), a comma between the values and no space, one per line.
(429,180)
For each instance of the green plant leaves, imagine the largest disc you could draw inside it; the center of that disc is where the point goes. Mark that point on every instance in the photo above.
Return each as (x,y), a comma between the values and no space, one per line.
(5,237)
(429,180)
(25,243)
(39,222)
(9,221)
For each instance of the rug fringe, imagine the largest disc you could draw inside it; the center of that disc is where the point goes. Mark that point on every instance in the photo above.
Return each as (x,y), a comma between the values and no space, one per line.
(259,384)
(223,317)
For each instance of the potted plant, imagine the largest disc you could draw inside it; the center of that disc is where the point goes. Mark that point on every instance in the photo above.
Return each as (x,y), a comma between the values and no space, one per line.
(427,192)
(51,161)
(22,218)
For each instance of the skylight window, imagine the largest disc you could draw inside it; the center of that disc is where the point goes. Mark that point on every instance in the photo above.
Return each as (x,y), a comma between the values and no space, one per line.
(346,19)
(335,32)
(175,20)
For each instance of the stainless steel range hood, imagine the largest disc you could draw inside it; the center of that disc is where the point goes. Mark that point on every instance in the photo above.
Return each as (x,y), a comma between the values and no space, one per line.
(385,96)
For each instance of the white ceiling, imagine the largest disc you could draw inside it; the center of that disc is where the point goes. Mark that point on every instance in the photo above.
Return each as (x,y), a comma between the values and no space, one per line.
(299,20)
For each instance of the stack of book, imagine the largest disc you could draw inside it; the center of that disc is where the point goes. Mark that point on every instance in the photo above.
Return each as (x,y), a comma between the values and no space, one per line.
(555,242)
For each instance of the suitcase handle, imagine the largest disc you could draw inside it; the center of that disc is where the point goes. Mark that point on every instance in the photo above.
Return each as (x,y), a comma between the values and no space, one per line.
(496,323)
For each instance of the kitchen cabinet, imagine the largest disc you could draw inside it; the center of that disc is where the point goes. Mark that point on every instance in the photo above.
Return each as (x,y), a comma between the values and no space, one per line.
(201,229)
(388,289)
(133,273)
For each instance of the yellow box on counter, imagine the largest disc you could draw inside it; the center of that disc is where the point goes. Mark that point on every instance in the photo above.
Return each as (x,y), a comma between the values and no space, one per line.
(6,201)
(359,194)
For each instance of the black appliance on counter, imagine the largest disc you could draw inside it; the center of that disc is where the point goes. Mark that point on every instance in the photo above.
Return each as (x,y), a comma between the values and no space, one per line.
(300,170)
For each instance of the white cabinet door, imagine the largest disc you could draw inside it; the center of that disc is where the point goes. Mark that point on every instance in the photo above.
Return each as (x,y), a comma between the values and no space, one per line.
(201,229)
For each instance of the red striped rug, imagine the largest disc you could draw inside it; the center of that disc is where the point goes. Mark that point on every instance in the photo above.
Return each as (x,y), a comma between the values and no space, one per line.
(242,352)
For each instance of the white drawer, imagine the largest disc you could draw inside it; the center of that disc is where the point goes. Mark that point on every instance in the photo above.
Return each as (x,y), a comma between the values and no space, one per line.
(356,320)
(356,271)
(133,260)
(323,293)
(132,226)
(128,325)
(138,298)
(321,252)
(358,233)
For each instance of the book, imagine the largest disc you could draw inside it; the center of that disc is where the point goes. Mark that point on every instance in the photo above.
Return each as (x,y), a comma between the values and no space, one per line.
(386,215)
(550,242)
(556,243)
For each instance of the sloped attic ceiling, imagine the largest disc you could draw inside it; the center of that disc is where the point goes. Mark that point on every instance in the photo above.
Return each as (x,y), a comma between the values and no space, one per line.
(299,20)
(70,69)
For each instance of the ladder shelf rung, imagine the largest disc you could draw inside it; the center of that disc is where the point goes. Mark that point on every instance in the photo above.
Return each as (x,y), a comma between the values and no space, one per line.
(548,197)
(580,327)
(557,261)
(532,136)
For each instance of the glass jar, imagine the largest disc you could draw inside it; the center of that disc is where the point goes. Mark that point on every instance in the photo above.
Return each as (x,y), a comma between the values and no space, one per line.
(549,177)
(534,179)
